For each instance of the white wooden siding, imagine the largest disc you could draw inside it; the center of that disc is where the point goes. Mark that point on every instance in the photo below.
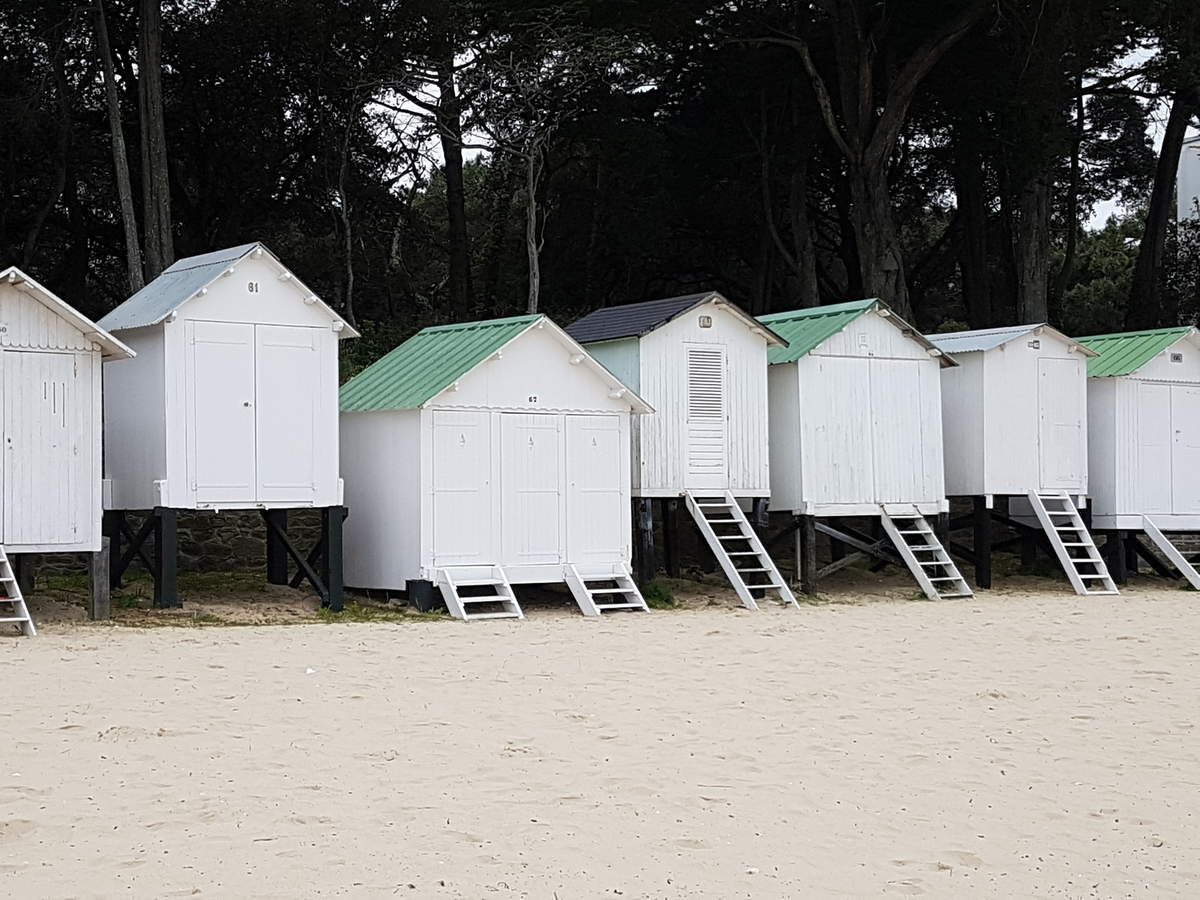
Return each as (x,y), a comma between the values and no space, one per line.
(622,358)
(662,448)
(872,335)
(26,322)
(963,419)
(597,502)
(786,455)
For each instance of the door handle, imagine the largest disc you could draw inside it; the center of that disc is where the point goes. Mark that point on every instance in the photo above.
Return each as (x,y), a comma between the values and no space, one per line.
(246,403)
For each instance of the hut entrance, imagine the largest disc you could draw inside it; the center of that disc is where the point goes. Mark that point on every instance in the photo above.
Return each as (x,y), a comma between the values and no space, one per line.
(1060,433)
(1169,446)
(42,471)
(707,418)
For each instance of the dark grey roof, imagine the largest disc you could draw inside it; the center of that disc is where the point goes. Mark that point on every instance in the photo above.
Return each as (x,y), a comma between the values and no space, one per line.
(637,319)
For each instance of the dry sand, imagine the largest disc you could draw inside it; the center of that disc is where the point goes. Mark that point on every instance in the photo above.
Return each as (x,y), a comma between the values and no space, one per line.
(1026,743)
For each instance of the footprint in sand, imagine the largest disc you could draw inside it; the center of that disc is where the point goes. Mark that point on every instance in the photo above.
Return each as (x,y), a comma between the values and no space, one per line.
(16,828)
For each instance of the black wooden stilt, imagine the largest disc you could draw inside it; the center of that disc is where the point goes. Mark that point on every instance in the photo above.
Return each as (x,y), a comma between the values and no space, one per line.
(331,568)
(666,509)
(1134,543)
(23,572)
(166,558)
(1131,556)
(1116,556)
(806,554)
(277,557)
(1028,550)
(644,520)
(760,513)
(983,542)
(837,548)
(110,527)
(99,571)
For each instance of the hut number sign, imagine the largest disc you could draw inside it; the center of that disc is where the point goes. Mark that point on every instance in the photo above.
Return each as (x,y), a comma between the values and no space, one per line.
(252,287)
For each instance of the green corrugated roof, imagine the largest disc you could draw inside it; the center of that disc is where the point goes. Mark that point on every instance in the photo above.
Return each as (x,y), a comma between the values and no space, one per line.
(428,363)
(806,329)
(1125,353)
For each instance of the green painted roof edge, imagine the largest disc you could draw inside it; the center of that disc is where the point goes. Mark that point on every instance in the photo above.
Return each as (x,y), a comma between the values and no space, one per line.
(428,363)
(806,329)
(1124,352)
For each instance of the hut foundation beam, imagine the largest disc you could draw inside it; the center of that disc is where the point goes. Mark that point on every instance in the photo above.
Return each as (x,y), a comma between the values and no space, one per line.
(100,590)
(669,510)
(277,557)
(806,554)
(644,520)
(982,541)
(165,524)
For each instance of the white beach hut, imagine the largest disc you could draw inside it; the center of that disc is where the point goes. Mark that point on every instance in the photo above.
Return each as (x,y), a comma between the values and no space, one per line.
(1144,442)
(50,466)
(230,404)
(856,431)
(487,454)
(1014,420)
(701,362)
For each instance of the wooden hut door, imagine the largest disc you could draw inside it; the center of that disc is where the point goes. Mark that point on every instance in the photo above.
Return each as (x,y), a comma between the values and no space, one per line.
(288,393)
(41,436)
(220,412)
(1155,448)
(1060,436)
(1185,456)
(531,498)
(463,511)
(597,501)
(707,418)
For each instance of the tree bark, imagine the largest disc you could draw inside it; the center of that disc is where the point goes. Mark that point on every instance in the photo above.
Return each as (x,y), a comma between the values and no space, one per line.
(880,258)
(503,174)
(1145,308)
(533,244)
(1031,251)
(808,294)
(156,189)
(1063,278)
(449,121)
(973,251)
(133,253)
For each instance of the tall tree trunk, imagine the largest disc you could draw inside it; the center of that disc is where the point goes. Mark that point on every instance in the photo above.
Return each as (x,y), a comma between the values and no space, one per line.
(880,258)
(62,145)
(533,242)
(449,119)
(1145,308)
(973,249)
(133,253)
(156,189)
(1063,278)
(504,186)
(805,250)
(1031,251)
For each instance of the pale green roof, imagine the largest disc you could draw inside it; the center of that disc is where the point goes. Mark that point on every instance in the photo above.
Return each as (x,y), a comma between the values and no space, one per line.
(1125,353)
(428,363)
(807,329)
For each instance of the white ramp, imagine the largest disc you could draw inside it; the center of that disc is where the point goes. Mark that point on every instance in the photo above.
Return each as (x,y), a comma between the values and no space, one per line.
(1072,542)
(1173,554)
(738,549)
(919,547)
(13,610)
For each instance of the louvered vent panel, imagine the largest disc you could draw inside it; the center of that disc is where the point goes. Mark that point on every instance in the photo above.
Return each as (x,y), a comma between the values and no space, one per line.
(706,384)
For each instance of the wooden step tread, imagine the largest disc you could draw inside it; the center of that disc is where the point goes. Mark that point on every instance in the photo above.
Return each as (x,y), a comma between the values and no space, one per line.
(616,590)
(630,605)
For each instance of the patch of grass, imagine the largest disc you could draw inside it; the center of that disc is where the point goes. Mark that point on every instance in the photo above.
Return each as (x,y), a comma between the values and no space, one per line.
(659,596)
(359,612)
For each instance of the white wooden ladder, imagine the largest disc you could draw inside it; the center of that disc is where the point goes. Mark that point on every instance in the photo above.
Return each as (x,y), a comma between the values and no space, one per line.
(919,547)
(1174,555)
(603,590)
(478,592)
(13,610)
(742,556)
(1072,543)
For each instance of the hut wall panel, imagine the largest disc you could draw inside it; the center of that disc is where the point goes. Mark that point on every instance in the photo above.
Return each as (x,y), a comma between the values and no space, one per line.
(1103,452)
(1161,368)
(871,335)
(785,443)
(135,411)
(26,322)
(963,419)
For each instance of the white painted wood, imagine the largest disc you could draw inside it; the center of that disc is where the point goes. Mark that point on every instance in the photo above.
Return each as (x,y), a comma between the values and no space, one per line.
(281,451)
(1062,407)
(707,437)
(599,590)
(923,553)
(1185,448)
(13,610)
(1072,542)
(500,603)
(485,476)
(1155,443)
(737,547)
(221,412)
(1181,563)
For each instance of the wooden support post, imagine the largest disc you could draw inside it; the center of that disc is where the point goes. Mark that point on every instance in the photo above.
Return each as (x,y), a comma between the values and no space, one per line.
(166,558)
(760,513)
(667,509)
(331,561)
(1028,550)
(1131,557)
(110,527)
(806,554)
(277,555)
(100,595)
(646,563)
(1115,545)
(23,572)
(982,544)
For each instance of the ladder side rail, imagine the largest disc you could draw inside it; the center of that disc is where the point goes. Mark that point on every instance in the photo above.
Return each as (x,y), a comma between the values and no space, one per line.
(779,583)
(1171,552)
(718,550)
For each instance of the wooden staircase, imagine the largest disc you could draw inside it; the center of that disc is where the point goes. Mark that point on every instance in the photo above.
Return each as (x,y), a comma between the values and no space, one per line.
(478,592)
(738,550)
(1186,567)
(1072,543)
(13,610)
(919,547)
(599,591)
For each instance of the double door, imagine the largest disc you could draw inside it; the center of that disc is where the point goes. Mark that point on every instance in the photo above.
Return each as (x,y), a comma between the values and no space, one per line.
(1168,471)
(528,489)
(255,394)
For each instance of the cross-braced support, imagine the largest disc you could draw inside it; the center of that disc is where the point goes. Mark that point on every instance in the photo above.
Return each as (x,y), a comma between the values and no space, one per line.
(162,522)
(322,565)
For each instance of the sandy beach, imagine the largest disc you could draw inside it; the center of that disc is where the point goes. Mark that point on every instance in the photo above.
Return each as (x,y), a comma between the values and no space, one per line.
(1027,743)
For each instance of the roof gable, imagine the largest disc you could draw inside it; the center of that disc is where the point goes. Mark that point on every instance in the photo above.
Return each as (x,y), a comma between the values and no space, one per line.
(1126,352)
(638,319)
(807,329)
(984,339)
(110,347)
(435,358)
(187,278)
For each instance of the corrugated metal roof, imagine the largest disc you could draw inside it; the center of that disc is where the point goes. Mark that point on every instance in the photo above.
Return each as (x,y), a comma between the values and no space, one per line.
(180,283)
(991,338)
(428,363)
(110,347)
(807,329)
(1126,352)
(637,319)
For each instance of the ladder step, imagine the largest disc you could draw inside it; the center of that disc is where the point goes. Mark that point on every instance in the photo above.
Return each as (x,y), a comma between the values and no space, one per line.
(918,531)
(618,590)
(17,619)
(630,605)
(490,598)
(743,553)
(477,582)
(948,578)
(493,615)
